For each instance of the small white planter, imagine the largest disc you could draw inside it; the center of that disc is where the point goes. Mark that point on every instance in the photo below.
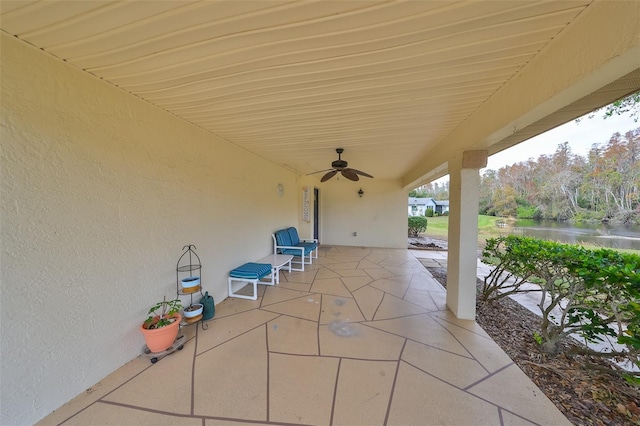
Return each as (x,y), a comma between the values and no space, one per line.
(195,312)
(190,282)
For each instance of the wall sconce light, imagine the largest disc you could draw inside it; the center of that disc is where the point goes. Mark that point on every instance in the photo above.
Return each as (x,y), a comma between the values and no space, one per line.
(360,193)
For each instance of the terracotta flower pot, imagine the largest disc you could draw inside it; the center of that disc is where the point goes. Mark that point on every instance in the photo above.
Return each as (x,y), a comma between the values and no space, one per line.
(159,339)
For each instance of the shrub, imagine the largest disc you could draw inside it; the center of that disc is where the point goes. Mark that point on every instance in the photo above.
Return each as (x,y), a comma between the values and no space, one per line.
(417,224)
(587,216)
(526,212)
(429,212)
(511,268)
(593,293)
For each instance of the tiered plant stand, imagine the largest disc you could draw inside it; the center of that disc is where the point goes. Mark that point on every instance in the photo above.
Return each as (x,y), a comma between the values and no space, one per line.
(188,269)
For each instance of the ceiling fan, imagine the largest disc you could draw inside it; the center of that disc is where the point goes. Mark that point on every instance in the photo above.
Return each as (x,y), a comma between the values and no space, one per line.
(340,165)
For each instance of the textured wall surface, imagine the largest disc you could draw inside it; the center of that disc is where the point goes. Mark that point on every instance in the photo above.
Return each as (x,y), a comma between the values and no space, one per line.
(99,193)
(379,217)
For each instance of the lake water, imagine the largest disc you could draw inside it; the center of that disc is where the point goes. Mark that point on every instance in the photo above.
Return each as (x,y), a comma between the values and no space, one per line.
(600,234)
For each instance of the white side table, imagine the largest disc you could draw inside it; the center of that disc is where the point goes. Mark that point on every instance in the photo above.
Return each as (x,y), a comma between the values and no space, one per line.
(277,261)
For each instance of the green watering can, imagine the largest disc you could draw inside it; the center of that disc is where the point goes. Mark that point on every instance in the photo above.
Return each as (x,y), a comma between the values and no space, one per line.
(209,307)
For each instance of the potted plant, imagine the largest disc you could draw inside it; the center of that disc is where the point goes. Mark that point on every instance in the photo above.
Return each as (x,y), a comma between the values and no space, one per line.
(190,284)
(194,310)
(162,326)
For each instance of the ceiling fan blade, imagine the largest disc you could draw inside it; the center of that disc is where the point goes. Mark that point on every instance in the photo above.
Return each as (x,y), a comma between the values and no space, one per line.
(350,174)
(328,176)
(319,171)
(361,173)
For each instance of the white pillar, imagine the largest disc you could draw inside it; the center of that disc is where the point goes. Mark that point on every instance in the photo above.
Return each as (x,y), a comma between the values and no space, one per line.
(464,185)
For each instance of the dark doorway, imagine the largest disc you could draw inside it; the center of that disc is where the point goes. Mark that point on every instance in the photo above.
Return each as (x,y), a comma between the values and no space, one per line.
(316,214)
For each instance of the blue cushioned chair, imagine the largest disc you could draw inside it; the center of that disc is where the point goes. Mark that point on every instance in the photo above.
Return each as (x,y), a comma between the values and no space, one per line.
(287,241)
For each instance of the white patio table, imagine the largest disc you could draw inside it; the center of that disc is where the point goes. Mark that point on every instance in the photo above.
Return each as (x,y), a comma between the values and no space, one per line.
(277,261)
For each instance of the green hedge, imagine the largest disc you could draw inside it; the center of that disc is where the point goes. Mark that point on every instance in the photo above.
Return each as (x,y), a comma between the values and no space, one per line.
(593,293)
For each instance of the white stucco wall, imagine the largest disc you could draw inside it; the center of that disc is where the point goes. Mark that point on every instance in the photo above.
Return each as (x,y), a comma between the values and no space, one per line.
(379,217)
(99,193)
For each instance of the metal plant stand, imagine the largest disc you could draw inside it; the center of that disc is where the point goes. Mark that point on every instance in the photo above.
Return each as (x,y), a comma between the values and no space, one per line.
(189,265)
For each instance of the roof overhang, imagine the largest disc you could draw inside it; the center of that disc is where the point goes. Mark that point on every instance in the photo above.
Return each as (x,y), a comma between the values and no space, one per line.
(403,87)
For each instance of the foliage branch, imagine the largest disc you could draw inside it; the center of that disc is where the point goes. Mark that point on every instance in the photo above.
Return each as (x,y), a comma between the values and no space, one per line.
(162,313)
(629,104)
(511,270)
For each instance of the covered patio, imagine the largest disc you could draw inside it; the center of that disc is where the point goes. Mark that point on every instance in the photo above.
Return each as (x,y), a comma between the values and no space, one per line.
(363,337)
(133,128)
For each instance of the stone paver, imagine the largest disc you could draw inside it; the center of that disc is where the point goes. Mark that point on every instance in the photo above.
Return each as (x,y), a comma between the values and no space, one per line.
(363,337)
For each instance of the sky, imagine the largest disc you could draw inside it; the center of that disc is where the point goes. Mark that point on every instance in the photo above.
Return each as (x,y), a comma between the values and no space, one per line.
(579,135)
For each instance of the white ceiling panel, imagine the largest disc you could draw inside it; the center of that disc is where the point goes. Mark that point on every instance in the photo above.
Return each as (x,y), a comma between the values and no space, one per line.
(290,80)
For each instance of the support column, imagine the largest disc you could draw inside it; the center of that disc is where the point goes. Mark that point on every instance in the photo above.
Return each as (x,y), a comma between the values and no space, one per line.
(464,186)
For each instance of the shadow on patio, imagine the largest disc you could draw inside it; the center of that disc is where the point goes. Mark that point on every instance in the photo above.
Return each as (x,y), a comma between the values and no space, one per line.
(363,337)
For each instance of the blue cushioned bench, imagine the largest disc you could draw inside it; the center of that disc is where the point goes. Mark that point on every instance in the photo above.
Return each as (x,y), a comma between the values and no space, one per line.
(287,241)
(251,273)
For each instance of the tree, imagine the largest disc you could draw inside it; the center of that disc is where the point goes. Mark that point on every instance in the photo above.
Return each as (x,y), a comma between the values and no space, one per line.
(629,104)
(489,182)
(435,190)
(504,201)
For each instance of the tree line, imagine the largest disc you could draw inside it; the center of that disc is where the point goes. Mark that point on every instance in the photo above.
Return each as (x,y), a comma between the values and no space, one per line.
(435,190)
(603,186)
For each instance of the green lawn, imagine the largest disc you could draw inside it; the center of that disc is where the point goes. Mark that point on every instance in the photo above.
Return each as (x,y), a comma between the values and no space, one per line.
(437,227)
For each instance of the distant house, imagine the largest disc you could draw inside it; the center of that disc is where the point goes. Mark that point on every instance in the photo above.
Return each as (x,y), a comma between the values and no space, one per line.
(442,206)
(419,206)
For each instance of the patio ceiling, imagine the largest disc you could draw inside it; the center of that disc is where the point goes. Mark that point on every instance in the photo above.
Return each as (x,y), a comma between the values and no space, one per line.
(292,81)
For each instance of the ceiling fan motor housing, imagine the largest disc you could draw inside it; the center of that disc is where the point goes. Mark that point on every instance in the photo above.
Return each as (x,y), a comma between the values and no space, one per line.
(339,164)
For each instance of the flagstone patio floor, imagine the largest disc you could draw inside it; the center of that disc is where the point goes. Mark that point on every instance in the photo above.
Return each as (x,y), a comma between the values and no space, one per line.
(362,337)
